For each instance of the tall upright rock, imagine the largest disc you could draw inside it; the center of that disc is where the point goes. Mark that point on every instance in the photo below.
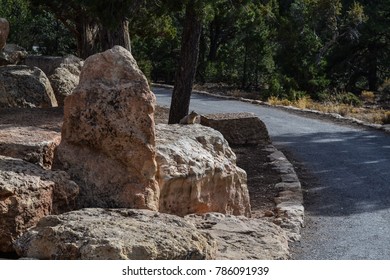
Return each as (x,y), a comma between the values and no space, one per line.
(108,135)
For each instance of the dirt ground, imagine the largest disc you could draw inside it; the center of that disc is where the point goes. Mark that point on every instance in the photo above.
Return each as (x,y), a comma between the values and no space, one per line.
(260,174)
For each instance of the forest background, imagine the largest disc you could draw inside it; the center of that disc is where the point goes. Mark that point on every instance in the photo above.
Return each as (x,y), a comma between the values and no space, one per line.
(287,49)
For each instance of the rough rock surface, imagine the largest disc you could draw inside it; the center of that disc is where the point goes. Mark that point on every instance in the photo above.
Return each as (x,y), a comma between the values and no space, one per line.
(65,77)
(240,238)
(115,234)
(31,134)
(48,64)
(63,83)
(238,128)
(28,193)
(26,87)
(4,30)
(289,202)
(197,172)
(108,135)
(12,54)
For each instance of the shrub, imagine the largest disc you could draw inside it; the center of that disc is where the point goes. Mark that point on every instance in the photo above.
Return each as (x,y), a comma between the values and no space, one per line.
(386,118)
(303,102)
(368,96)
(384,91)
(349,98)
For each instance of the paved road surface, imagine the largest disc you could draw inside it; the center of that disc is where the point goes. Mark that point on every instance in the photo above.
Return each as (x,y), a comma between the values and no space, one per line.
(348,208)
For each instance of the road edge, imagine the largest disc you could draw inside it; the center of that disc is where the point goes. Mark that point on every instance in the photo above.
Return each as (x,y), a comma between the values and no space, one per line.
(290,212)
(289,209)
(333,116)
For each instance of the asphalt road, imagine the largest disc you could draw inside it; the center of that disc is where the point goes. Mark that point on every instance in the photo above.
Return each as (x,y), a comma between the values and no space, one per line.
(348,204)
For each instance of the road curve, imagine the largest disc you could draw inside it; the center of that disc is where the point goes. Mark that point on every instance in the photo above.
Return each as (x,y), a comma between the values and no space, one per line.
(348,207)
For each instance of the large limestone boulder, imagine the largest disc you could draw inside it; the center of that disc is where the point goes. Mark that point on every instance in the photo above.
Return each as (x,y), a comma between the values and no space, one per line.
(240,238)
(4,30)
(108,137)
(116,234)
(31,134)
(238,128)
(28,193)
(197,172)
(25,87)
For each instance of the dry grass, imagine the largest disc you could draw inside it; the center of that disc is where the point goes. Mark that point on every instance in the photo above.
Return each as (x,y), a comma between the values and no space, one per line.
(368,96)
(370,115)
(377,116)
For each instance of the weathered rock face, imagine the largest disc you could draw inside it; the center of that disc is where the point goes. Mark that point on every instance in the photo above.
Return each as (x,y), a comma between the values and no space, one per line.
(108,139)
(30,134)
(25,87)
(4,30)
(12,54)
(63,83)
(116,234)
(28,193)
(197,172)
(240,238)
(238,128)
(63,72)
(46,63)
(65,77)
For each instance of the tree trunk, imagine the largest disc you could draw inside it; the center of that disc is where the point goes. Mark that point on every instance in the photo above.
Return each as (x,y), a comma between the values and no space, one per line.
(93,38)
(214,34)
(119,36)
(186,70)
(372,75)
(87,38)
(245,67)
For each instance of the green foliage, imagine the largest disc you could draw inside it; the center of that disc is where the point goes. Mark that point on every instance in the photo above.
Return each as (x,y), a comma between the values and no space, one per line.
(277,48)
(35,27)
(348,98)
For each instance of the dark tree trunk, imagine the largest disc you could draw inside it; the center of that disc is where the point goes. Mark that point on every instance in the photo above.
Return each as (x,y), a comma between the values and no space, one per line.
(119,36)
(186,70)
(372,75)
(93,38)
(87,38)
(214,35)
(245,68)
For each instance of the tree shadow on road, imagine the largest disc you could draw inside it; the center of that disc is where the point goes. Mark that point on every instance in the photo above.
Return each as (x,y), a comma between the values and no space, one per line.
(351,170)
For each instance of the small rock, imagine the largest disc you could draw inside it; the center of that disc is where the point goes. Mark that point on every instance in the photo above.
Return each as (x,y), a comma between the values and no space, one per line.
(238,128)
(12,54)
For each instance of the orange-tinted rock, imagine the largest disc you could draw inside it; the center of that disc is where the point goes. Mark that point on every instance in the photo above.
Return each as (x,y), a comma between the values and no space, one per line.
(31,134)
(28,193)
(108,138)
